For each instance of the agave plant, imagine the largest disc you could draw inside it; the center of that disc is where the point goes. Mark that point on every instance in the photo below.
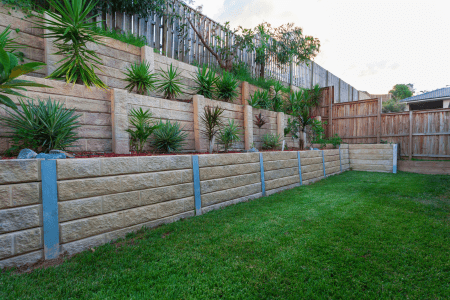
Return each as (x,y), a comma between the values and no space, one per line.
(140,78)
(43,126)
(143,127)
(169,137)
(72,25)
(170,84)
(212,123)
(226,87)
(205,81)
(9,71)
(229,134)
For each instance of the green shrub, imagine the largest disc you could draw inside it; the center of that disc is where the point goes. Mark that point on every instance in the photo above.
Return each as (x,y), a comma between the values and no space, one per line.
(212,123)
(393,105)
(205,81)
(260,99)
(140,78)
(226,87)
(125,37)
(229,134)
(170,84)
(9,71)
(335,140)
(169,137)
(142,128)
(271,141)
(41,126)
(73,26)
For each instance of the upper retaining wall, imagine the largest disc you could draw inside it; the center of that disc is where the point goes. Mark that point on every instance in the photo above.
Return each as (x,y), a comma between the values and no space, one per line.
(102,199)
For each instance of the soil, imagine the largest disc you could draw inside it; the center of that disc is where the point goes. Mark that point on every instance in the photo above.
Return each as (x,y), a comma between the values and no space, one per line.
(111,154)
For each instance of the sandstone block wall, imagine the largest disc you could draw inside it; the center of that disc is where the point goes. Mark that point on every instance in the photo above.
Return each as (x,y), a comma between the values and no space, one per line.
(21,234)
(373,158)
(228,178)
(103,199)
(269,128)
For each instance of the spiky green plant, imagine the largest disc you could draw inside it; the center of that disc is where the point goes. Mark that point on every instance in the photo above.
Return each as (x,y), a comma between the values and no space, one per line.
(260,99)
(9,45)
(212,123)
(140,78)
(41,126)
(271,141)
(73,26)
(143,127)
(170,84)
(9,72)
(226,87)
(169,137)
(229,134)
(205,81)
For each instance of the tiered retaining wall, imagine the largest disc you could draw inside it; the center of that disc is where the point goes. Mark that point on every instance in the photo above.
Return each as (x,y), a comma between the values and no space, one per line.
(94,201)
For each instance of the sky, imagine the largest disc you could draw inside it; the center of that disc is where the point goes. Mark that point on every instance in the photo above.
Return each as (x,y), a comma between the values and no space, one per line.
(370,44)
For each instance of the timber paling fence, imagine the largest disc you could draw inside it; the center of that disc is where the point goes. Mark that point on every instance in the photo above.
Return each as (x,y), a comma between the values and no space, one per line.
(178,40)
(420,134)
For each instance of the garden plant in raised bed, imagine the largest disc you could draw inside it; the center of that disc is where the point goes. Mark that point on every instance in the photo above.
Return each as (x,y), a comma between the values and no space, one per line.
(140,78)
(168,137)
(229,134)
(212,124)
(259,122)
(170,84)
(226,87)
(142,128)
(205,80)
(271,141)
(41,126)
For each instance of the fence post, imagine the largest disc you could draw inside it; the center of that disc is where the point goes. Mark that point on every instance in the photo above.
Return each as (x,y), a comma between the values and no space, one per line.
(148,55)
(410,134)
(299,167)
(263,182)
(119,121)
(379,121)
(394,158)
(197,194)
(197,111)
(50,221)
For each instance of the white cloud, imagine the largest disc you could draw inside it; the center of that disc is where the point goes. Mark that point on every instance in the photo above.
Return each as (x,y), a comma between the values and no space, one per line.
(371,44)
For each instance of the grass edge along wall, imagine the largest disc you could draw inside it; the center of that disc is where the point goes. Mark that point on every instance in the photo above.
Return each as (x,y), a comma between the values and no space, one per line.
(50,207)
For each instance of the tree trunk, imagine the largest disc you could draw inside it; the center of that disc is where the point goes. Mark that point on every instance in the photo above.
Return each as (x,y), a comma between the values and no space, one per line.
(262,71)
(211,144)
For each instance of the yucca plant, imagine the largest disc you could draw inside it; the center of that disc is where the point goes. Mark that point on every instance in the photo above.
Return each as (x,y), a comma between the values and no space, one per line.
(277,100)
(9,71)
(140,78)
(205,81)
(41,126)
(8,44)
(259,122)
(169,137)
(170,84)
(142,128)
(212,123)
(271,141)
(72,25)
(226,87)
(229,134)
(260,99)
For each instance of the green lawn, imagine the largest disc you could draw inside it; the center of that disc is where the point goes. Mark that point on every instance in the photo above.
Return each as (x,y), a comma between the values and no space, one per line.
(353,236)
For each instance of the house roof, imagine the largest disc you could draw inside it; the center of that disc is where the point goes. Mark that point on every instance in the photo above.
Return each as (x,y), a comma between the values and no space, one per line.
(433,95)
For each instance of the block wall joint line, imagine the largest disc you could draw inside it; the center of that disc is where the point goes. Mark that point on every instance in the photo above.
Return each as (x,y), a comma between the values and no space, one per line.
(394,158)
(323,163)
(197,193)
(263,184)
(299,167)
(340,158)
(50,209)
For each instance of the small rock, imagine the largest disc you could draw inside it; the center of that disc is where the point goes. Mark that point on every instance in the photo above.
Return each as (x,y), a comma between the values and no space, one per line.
(68,155)
(51,156)
(26,154)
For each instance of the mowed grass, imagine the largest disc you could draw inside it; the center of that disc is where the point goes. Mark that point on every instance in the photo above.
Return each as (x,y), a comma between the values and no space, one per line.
(357,235)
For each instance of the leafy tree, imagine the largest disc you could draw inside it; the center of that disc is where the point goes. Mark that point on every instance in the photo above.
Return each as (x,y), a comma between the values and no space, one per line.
(400,91)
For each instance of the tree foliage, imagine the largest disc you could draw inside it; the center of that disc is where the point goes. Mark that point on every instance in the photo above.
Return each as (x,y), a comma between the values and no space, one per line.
(400,91)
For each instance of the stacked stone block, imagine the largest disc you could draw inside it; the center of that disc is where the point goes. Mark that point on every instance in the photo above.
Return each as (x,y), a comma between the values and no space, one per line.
(373,158)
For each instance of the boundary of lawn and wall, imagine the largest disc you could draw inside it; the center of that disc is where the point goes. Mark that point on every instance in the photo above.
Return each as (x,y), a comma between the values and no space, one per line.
(52,207)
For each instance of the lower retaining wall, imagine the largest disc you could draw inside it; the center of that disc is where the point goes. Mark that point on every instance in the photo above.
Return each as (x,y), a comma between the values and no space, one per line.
(373,157)
(56,206)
